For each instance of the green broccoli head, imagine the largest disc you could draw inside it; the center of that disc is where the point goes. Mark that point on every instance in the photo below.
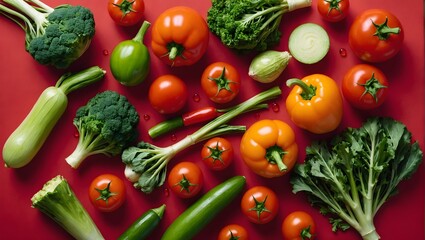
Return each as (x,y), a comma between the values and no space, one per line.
(68,34)
(106,124)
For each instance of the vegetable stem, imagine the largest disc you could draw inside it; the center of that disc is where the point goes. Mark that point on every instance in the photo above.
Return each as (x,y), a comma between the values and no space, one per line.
(44,6)
(250,17)
(308,92)
(383,31)
(297,4)
(70,82)
(173,53)
(142,31)
(372,235)
(160,211)
(192,139)
(243,107)
(278,160)
(38,17)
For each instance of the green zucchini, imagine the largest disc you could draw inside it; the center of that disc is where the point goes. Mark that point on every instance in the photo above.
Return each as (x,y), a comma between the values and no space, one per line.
(199,214)
(27,139)
(144,225)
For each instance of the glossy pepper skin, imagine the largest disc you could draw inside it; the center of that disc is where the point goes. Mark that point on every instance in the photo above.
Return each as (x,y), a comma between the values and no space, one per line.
(130,59)
(269,148)
(180,36)
(315,103)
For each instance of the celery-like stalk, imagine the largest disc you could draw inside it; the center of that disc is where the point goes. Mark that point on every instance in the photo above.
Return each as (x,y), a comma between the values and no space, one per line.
(57,200)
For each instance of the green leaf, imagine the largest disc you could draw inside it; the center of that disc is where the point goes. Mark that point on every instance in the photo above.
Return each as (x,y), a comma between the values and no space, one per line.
(129,154)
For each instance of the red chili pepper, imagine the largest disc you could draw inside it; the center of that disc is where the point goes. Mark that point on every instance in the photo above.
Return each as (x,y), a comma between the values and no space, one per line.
(201,115)
(190,118)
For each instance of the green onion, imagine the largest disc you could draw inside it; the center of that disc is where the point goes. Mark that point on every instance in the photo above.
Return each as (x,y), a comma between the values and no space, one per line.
(146,163)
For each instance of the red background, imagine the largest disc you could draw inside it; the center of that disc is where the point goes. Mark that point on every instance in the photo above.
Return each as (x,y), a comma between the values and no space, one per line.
(22,80)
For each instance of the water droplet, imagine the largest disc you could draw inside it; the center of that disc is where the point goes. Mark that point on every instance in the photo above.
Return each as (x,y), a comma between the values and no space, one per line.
(275,107)
(105,52)
(196,97)
(76,134)
(166,192)
(146,117)
(173,137)
(343,52)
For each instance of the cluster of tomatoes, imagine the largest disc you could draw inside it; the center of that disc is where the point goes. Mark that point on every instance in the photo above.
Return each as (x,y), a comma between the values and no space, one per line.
(375,36)
(168,93)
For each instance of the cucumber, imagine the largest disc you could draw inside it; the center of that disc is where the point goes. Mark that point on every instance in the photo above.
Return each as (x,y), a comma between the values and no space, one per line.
(144,225)
(199,214)
(309,43)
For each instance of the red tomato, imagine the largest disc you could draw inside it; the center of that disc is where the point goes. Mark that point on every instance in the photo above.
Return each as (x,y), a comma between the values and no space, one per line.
(221,82)
(298,225)
(365,86)
(260,204)
(126,12)
(233,232)
(107,192)
(168,94)
(376,35)
(186,179)
(217,153)
(333,10)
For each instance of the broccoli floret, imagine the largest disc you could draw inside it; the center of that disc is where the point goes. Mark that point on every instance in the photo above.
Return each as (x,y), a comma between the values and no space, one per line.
(54,36)
(57,200)
(249,24)
(107,124)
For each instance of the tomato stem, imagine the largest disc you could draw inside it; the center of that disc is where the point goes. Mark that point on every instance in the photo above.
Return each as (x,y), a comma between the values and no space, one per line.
(259,207)
(372,87)
(222,82)
(105,193)
(383,31)
(333,4)
(306,233)
(216,153)
(125,7)
(185,184)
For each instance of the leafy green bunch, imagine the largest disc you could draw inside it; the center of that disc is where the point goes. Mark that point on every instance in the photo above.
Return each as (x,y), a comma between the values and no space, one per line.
(353,175)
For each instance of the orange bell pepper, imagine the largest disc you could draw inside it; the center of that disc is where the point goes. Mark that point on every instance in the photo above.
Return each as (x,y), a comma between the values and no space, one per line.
(180,36)
(315,103)
(268,148)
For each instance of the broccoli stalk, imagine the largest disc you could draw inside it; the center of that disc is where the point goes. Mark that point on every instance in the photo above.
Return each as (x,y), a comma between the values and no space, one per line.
(106,125)
(353,175)
(57,200)
(53,36)
(248,24)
